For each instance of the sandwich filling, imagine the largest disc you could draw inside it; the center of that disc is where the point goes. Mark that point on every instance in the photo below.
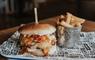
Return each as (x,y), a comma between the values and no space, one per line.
(37,43)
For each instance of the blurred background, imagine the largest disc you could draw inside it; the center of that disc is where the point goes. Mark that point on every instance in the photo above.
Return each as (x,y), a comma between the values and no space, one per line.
(16,12)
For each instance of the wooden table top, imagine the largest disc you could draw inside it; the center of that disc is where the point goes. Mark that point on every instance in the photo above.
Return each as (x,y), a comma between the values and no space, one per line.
(5,34)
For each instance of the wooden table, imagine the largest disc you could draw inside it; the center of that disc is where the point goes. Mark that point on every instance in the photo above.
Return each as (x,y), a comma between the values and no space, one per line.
(5,34)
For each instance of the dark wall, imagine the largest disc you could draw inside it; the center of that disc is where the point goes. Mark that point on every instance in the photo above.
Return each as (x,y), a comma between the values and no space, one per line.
(46,9)
(87,9)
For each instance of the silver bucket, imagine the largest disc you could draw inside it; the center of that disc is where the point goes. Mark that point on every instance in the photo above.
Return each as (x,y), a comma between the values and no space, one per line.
(72,37)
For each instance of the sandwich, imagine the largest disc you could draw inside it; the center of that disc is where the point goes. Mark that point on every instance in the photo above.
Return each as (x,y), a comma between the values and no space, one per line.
(37,39)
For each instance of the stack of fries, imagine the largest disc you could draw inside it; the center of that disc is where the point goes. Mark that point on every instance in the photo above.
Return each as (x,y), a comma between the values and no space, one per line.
(67,21)
(70,20)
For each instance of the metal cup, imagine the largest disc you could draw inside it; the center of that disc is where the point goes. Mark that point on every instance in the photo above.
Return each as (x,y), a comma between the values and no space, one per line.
(72,37)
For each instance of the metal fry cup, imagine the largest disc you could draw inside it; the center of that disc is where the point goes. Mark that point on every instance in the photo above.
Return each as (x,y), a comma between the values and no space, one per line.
(72,36)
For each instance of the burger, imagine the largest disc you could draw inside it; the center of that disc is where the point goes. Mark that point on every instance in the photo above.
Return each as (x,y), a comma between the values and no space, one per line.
(37,39)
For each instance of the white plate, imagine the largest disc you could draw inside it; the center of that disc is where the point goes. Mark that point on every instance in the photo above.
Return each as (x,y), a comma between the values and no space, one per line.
(9,47)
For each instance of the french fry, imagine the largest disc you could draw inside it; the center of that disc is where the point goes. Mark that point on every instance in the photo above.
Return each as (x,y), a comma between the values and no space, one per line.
(62,22)
(62,16)
(77,24)
(70,21)
(74,18)
(78,20)
(75,21)
(69,16)
(66,25)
